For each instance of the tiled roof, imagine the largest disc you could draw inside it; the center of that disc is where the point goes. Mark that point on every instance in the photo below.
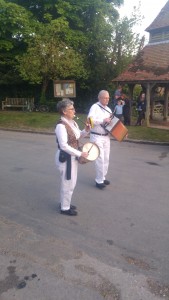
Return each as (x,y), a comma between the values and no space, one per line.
(162,20)
(151,64)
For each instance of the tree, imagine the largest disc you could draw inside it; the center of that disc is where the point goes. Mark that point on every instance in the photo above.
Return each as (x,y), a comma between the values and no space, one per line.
(95,20)
(126,42)
(39,8)
(48,57)
(15,24)
(90,32)
(90,28)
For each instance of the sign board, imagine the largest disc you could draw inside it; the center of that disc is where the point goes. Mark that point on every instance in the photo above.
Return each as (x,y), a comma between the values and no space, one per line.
(65,88)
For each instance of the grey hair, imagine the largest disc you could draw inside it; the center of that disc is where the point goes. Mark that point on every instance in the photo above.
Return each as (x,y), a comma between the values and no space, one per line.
(101,93)
(63,104)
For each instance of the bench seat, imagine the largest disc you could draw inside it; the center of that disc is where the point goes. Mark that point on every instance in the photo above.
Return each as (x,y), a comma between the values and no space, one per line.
(17,102)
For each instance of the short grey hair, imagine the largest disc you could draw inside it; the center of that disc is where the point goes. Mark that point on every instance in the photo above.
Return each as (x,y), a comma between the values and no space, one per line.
(63,104)
(101,93)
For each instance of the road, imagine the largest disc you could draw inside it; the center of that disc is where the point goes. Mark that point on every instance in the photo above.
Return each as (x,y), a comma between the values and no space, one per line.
(117,248)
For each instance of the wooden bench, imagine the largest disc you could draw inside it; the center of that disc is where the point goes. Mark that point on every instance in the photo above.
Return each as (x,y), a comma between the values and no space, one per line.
(17,102)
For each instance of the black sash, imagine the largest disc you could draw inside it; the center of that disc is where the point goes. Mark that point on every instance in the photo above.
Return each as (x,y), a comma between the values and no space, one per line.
(68,167)
(65,157)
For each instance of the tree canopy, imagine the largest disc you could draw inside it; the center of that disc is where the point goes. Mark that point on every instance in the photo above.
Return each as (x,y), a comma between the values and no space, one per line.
(65,39)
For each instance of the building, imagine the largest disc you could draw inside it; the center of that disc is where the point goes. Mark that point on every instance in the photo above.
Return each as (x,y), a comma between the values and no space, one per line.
(150,68)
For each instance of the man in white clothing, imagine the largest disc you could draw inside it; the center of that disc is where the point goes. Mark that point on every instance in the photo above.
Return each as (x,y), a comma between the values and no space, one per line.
(101,114)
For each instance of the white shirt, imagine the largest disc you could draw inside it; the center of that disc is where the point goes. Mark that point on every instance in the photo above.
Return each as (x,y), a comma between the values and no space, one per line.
(62,136)
(98,114)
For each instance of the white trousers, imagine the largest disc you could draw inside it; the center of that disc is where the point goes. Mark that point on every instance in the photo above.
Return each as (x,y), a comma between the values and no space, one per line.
(66,186)
(102,162)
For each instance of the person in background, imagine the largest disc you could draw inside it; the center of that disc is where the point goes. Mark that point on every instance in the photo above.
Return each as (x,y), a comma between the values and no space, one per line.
(67,136)
(126,112)
(117,96)
(101,114)
(141,108)
(118,110)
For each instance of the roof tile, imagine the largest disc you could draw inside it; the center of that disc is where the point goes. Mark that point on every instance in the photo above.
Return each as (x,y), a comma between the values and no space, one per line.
(162,20)
(152,63)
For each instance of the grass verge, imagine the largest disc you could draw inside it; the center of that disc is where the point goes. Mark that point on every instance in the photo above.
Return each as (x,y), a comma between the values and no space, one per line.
(46,122)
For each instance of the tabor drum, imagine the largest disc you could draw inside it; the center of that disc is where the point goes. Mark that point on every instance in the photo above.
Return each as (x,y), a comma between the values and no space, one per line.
(93,152)
(117,129)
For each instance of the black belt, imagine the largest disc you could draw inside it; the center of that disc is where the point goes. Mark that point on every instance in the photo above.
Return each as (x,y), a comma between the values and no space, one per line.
(104,134)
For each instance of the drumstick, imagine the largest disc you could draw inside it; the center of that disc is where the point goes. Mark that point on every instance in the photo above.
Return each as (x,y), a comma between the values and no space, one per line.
(89,121)
(90,148)
(79,119)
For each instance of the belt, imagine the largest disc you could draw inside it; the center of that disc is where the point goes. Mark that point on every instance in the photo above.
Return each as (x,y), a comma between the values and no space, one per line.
(103,134)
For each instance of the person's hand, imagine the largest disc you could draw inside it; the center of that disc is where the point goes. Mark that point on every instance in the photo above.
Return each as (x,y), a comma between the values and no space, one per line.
(87,127)
(84,154)
(107,120)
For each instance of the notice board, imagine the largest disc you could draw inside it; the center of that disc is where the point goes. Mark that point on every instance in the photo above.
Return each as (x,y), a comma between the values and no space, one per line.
(65,88)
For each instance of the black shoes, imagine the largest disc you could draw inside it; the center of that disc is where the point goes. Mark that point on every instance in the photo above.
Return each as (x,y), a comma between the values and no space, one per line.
(106,182)
(100,185)
(71,206)
(69,212)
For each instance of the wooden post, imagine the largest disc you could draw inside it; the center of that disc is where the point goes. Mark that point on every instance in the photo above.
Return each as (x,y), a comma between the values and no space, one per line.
(166,94)
(148,92)
(131,88)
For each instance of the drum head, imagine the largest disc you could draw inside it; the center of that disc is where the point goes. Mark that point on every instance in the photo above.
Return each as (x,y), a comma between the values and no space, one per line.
(92,149)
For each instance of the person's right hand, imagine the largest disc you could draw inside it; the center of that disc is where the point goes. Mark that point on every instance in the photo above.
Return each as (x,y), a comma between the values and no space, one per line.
(107,120)
(84,154)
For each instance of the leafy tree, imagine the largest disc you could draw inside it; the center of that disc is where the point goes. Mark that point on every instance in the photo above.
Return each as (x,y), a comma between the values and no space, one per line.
(39,8)
(90,26)
(48,57)
(15,25)
(126,42)
(95,45)
(95,20)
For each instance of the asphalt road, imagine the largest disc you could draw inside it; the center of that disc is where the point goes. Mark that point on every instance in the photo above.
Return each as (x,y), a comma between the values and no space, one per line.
(117,248)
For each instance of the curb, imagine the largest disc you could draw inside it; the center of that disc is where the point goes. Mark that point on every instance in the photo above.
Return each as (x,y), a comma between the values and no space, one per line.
(126,141)
(27,131)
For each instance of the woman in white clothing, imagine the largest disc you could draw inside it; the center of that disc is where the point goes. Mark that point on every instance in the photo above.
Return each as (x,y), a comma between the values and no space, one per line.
(66,159)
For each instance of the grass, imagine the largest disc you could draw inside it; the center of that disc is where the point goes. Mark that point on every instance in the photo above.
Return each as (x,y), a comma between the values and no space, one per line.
(28,120)
(148,134)
(46,122)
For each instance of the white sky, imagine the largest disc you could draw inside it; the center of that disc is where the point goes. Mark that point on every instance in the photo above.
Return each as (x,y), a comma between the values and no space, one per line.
(149,9)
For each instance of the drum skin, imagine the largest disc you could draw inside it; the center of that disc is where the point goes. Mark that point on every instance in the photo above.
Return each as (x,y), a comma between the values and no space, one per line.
(93,152)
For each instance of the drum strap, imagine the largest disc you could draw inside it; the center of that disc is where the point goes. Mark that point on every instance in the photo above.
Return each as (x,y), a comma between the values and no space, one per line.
(104,109)
(104,125)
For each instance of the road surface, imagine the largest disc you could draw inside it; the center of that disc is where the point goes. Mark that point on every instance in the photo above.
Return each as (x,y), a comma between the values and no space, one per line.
(116,248)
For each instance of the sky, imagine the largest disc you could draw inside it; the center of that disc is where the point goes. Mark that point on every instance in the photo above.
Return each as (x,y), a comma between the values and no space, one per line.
(149,9)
